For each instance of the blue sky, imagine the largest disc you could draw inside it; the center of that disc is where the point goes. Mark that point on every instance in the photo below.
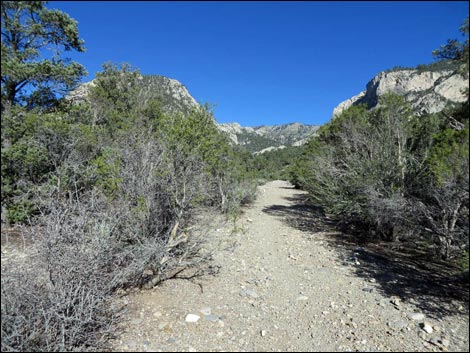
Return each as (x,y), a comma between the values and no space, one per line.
(264,62)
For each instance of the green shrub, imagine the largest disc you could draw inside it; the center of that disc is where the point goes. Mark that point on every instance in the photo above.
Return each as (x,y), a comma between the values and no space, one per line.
(21,211)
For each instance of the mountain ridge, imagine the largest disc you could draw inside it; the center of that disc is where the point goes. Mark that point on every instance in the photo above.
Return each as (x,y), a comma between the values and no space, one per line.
(427,89)
(175,98)
(262,138)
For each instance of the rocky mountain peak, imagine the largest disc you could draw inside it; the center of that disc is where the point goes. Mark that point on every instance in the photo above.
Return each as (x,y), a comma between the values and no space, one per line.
(264,138)
(426,90)
(175,98)
(173,95)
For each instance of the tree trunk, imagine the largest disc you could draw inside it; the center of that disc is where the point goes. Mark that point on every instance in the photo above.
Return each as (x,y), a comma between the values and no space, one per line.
(222,195)
(444,247)
(11,92)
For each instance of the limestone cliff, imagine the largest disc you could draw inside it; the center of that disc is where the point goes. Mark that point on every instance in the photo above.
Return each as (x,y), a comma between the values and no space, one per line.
(426,91)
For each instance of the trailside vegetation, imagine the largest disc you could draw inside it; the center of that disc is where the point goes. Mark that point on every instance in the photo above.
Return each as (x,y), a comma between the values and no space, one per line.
(388,174)
(106,189)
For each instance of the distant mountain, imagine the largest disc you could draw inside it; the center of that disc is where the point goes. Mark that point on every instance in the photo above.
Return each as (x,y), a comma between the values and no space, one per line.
(428,88)
(175,98)
(268,137)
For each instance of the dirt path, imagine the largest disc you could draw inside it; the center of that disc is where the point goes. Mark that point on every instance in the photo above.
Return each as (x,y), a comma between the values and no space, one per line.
(283,285)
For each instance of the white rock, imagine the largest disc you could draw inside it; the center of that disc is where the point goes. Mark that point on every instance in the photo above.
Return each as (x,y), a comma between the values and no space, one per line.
(427,327)
(302,298)
(448,89)
(395,301)
(347,103)
(251,293)
(416,316)
(192,318)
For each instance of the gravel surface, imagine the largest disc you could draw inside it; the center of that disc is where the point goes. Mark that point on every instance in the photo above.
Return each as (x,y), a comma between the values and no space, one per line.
(285,285)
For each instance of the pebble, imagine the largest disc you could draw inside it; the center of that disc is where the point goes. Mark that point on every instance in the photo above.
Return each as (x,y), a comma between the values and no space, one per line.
(302,298)
(248,293)
(148,272)
(427,327)
(397,324)
(192,318)
(383,302)
(157,314)
(251,293)
(395,301)
(416,316)
(263,333)
(162,325)
(212,318)
(445,342)
(206,311)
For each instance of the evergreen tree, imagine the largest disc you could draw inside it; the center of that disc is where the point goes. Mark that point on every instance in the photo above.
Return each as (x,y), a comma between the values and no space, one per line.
(32,39)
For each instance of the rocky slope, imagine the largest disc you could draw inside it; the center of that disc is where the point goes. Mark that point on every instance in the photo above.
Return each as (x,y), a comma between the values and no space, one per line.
(80,93)
(426,90)
(175,98)
(172,94)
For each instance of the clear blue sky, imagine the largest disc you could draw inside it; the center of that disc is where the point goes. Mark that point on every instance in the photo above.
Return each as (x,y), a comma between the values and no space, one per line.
(265,62)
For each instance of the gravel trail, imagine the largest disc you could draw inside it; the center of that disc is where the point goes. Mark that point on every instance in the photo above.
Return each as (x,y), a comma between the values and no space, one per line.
(285,284)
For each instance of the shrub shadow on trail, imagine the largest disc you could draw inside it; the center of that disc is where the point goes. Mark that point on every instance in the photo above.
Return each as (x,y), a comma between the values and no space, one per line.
(407,273)
(301,214)
(401,271)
